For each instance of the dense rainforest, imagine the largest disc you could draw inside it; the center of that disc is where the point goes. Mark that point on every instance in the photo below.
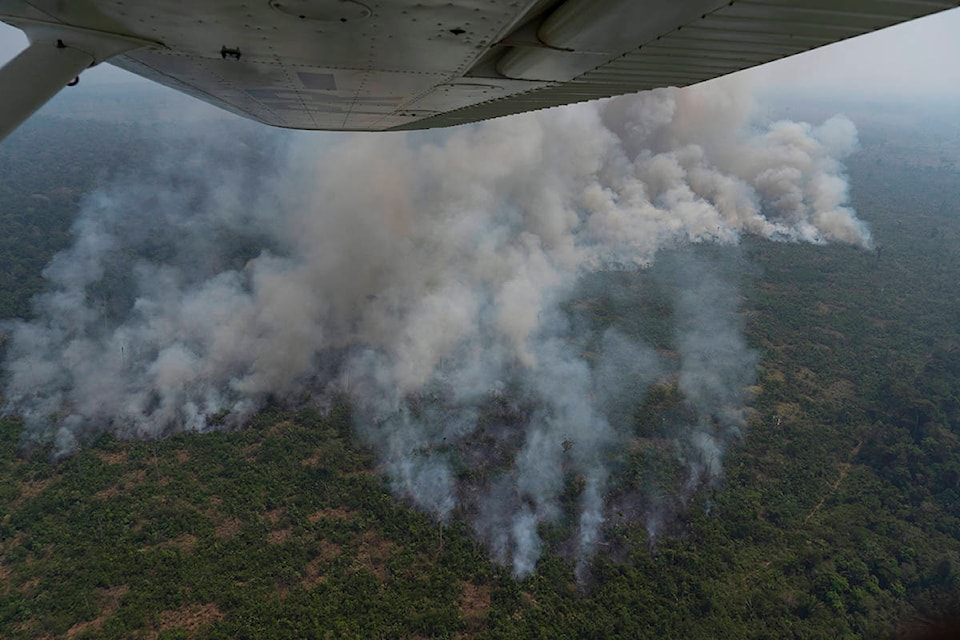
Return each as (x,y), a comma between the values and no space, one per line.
(838,514)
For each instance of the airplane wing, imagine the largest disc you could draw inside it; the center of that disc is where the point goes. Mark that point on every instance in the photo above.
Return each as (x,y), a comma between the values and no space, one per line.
(374,65)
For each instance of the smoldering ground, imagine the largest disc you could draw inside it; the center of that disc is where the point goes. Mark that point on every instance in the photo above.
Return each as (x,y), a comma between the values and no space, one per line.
(439,281)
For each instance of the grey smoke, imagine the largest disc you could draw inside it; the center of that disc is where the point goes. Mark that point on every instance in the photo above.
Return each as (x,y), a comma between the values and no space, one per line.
(430,278)
(716,367)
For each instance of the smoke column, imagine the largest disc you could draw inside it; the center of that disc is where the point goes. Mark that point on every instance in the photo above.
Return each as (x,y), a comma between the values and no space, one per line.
(430,278)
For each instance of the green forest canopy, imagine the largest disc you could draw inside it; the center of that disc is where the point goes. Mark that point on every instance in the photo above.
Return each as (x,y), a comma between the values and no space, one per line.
(839,515)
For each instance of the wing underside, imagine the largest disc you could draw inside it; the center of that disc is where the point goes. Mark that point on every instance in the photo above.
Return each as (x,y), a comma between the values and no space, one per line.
(398,64)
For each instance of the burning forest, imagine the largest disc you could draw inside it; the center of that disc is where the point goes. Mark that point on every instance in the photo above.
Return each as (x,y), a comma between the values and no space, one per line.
(441,283)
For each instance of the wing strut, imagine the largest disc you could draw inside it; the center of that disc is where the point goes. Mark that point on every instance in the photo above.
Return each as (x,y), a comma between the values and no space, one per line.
(35,76)
(56,55)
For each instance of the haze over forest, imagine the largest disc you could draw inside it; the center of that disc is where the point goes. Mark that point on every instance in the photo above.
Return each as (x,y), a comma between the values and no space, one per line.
(676,365)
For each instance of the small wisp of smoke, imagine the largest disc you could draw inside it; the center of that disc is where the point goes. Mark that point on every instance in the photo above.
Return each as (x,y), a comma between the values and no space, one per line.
(430,279)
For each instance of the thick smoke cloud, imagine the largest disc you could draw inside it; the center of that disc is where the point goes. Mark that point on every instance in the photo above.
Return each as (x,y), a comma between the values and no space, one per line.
(430,278)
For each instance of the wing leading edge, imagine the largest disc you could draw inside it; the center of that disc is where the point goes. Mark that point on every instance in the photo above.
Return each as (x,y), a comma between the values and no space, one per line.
(416,64)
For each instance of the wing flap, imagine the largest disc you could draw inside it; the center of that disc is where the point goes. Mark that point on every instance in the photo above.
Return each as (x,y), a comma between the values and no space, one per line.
(737,36)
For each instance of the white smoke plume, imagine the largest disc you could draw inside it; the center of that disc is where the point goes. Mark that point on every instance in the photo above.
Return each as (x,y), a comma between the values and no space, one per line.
(429,277)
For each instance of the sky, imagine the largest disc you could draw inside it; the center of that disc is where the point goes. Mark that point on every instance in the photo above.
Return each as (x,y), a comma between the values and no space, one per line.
(918,60)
